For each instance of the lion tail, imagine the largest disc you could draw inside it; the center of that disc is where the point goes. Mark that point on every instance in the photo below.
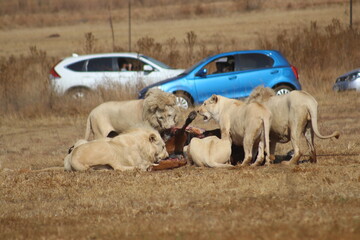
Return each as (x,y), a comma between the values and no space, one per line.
(267,122)
(313,117)
(67,163)
(48,169)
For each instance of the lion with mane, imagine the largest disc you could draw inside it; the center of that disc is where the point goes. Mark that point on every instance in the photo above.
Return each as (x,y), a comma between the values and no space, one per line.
(158,109)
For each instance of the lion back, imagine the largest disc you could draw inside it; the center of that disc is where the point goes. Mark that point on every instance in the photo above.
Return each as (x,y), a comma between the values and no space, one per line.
(260,94)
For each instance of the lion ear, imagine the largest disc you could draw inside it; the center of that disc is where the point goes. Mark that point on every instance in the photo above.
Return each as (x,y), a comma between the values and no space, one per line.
(152,137)
(214,98)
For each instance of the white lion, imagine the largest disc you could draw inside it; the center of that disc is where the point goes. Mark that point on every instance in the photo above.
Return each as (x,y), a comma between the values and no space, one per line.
(210,152)
(247,124)
(293,115)
(137,148)
(158,109)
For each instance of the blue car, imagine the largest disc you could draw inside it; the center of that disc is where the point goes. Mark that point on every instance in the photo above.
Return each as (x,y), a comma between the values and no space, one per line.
(233,75)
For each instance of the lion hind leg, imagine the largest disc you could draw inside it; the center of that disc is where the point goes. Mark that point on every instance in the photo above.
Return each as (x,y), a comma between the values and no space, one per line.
(219,165)
(251,138)
(78,166)
(260,154)
(297,127)
(248,147)
(297,153)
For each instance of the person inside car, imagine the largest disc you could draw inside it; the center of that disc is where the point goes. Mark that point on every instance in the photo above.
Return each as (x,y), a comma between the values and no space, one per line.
(126,67)
(221,65)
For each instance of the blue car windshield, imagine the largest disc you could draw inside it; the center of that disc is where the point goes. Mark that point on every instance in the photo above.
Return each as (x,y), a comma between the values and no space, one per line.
(161,64)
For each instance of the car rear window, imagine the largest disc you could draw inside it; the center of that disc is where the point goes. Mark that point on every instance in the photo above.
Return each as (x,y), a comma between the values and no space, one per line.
(77,67)
(100,65)
(252,61)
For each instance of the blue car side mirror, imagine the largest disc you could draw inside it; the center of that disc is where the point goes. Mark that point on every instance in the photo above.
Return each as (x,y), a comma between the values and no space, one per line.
(201,73)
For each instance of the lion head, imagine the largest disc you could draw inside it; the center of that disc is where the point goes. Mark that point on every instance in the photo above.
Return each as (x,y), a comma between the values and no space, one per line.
(208,108)
(158,146)
(160,109)
(150,144)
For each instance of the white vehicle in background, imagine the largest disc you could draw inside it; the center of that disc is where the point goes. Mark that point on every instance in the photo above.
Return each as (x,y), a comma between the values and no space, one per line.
(79,74)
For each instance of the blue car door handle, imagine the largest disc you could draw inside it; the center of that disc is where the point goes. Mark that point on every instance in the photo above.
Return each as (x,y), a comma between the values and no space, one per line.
(232,78)
(275,71)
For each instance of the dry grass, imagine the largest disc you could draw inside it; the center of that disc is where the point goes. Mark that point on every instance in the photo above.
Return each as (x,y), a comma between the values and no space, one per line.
(40,13)
(309,201)
(230,29)
(312,201)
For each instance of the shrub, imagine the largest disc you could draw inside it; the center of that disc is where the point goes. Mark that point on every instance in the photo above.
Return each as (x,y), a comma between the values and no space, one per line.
(23,82)
(320,54)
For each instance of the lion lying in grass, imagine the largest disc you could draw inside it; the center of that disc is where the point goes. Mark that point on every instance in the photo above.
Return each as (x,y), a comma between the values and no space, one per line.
(293,115)
(247,124)
(137,148)
(158,109)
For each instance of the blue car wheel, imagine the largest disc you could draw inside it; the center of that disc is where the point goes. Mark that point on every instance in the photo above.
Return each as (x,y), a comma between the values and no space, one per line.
(183,100)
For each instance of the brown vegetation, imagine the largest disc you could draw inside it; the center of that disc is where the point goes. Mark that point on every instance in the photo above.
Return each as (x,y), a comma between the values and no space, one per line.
(308,201)
(315,51)
(17,13)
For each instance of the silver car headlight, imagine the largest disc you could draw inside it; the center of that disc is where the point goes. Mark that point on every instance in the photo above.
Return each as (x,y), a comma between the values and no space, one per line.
(157,87)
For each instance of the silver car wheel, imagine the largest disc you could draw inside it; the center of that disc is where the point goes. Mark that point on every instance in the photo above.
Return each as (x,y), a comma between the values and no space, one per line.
(78,93)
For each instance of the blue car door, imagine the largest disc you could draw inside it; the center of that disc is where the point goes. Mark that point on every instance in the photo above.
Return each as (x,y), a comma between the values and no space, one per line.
(252,70)
(220,79)
(221,84)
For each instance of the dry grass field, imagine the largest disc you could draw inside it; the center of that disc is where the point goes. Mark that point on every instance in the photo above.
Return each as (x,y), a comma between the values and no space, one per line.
(308,201)
(311,201)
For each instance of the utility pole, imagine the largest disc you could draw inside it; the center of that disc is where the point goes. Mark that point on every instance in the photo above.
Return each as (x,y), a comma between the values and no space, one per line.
(112,28)
(129,25)
(350,13)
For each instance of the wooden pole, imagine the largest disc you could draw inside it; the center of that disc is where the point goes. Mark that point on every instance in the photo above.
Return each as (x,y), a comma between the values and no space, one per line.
(129,25)
(350,13)
(112,29)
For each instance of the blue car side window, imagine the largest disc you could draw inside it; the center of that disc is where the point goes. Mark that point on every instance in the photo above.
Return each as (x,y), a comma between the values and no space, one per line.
(252,61)
(221,65)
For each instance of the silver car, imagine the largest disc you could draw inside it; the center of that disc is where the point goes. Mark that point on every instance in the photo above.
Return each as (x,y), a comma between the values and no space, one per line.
(348,81)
